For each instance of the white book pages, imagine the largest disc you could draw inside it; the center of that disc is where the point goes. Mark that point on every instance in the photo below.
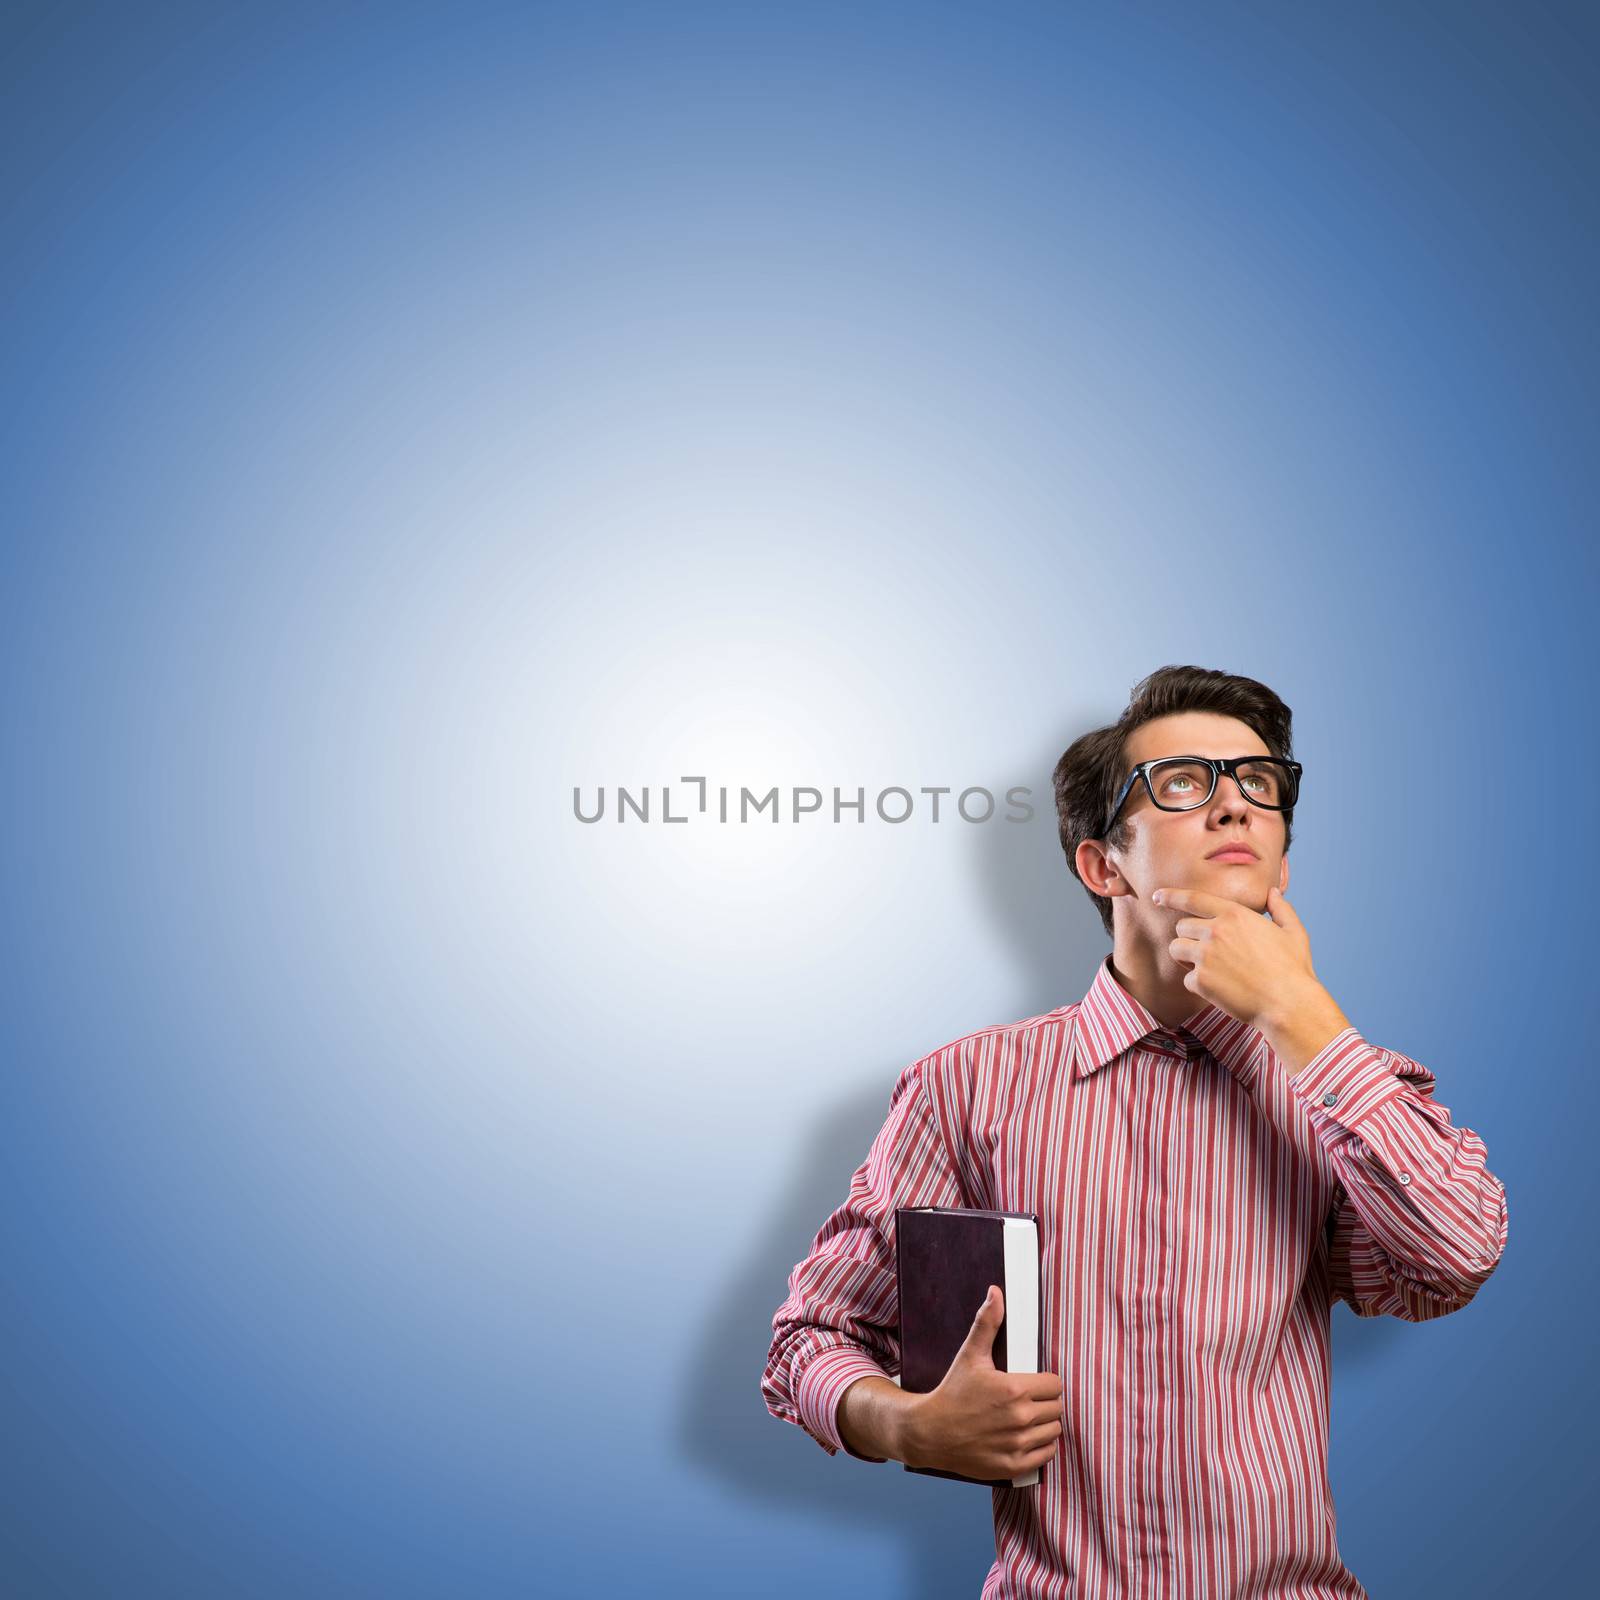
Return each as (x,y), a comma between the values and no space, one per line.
(1022,1307)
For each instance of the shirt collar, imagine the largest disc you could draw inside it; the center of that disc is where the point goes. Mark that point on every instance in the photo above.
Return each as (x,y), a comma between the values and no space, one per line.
(1110,1022)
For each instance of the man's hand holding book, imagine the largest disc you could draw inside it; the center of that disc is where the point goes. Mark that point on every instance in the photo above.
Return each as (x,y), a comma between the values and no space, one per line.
(980,1421)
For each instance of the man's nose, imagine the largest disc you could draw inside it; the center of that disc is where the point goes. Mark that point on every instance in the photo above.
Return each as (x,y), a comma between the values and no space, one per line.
(1229,800)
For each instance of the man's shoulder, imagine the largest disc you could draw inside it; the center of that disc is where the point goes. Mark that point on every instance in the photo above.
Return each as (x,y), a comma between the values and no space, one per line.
(1003,1048)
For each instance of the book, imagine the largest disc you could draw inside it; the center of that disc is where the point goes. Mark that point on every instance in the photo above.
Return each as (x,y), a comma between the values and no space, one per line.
(945,1259)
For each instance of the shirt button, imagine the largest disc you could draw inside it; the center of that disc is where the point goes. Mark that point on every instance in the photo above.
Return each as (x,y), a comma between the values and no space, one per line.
(1331,1098)
(1405,1177)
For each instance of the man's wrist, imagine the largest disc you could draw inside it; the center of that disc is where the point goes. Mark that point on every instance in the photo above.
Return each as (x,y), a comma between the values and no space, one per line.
(1303,1027)
(875,1419)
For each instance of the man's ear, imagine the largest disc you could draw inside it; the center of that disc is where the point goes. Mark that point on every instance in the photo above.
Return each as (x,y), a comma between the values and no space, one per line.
(1283,876)
(1096,870)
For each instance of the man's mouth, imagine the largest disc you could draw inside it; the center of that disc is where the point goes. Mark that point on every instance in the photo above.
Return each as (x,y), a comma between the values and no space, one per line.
(1242,857)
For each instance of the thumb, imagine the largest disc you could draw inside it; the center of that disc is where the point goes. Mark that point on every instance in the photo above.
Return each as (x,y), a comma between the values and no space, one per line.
(1280,910)
(979,1343)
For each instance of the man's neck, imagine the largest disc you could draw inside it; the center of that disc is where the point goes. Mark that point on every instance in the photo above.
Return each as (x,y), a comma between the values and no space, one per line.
(1154,979)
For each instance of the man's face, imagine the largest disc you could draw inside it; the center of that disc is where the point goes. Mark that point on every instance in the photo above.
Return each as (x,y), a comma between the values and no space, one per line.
(1176,849)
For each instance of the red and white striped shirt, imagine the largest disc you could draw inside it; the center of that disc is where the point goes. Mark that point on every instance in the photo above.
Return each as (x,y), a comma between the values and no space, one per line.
(1199,1209)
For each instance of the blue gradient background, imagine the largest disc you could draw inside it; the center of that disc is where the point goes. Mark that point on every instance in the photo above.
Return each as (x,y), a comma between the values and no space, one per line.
(411,413)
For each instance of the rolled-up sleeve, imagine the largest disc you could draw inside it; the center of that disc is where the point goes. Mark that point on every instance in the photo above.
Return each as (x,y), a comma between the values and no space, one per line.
(840,1321)
(1418,1221)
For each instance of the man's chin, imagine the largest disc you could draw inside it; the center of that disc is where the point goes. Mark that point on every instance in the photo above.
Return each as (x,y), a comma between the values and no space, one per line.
(1243,889)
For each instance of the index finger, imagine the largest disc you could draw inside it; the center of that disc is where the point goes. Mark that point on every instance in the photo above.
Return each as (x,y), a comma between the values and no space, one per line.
(1039,1385)
(1201,903)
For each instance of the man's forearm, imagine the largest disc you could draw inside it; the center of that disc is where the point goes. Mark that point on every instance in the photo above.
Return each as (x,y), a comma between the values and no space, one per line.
(872,1418)
(1310,1020)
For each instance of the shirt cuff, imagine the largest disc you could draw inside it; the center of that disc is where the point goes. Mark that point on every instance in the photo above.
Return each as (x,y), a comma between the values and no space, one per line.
(822,1386)
(1346,1081)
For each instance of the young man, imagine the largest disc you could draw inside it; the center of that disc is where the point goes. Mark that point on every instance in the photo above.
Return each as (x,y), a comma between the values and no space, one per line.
(1215,1154)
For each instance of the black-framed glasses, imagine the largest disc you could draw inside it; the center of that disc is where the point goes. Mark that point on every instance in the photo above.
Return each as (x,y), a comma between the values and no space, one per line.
(1182,783)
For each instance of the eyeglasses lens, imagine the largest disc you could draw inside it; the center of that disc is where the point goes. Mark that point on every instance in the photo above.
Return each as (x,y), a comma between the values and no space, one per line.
(1183,785)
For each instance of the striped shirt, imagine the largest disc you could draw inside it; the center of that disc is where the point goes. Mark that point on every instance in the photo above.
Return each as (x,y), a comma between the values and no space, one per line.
(1200,1210)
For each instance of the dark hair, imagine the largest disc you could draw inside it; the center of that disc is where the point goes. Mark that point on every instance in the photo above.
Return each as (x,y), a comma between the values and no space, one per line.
(1094,766)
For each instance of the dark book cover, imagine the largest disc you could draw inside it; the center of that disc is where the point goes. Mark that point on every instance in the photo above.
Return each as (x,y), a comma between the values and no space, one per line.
(945,1259)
